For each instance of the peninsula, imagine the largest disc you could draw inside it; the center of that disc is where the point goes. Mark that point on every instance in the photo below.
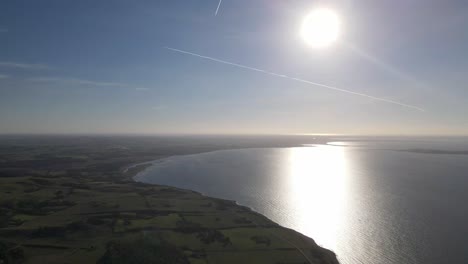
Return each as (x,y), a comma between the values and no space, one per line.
(70,200)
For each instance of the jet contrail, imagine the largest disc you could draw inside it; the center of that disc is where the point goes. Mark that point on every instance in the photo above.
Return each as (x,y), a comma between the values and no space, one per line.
(296,79)
(217,9)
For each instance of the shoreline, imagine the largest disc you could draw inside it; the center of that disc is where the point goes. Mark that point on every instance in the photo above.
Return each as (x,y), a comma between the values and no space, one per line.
(140,167)
(61,207)
(125,169)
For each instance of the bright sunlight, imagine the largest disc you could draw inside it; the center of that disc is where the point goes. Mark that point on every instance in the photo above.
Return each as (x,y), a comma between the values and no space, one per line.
(321,28)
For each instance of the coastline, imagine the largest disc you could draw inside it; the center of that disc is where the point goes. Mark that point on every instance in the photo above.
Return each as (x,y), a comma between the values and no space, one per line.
(141,166)
(133,170)
(60,207)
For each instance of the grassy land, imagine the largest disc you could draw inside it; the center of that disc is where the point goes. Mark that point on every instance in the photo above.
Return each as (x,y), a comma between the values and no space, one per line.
(68,200)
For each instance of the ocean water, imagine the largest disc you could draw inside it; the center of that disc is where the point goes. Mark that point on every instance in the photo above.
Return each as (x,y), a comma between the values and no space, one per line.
(373,202)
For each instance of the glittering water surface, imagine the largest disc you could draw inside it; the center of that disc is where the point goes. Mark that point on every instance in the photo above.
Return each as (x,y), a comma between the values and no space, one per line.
(370,203)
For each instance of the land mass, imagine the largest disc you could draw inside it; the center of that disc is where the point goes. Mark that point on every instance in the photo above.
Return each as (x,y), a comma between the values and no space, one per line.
(438,151)
(71,200)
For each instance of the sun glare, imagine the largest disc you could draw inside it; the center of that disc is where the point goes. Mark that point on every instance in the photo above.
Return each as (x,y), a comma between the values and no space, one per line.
(321,28)
(318,182)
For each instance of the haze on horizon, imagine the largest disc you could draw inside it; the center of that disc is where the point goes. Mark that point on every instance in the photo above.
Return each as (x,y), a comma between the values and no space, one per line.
(101,67)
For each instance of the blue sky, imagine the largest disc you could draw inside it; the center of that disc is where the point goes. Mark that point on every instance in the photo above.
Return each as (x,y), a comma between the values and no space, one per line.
(101,67)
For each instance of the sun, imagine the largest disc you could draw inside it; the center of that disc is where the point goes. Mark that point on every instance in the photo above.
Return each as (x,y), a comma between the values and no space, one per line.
(321,28)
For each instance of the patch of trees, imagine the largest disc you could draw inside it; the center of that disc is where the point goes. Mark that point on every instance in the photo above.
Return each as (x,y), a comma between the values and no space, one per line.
(171,191)
(209,236)
(185,226)
(205,235)
(206,205)
(29,206)
(224,204)
(108,166)
(96,220)
(261,240)
(64,203)
(4,218)
(198,254)
(31,188)
(59,231)
(242,220)
(14,172)
(11,254)
(142,251)
(7,204)
(41,181)
(35,207)
(59,194)
(77,226)
(76,185)
(56,163)
(49,231)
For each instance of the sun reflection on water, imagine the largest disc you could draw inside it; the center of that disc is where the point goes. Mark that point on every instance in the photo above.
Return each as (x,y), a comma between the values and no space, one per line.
(317,181)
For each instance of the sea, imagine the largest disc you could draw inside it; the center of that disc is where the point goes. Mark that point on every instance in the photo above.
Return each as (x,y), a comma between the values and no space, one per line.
(377,201)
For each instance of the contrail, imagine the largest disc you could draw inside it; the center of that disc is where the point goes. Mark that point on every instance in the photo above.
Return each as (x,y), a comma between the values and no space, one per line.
(217,9)
(296,79)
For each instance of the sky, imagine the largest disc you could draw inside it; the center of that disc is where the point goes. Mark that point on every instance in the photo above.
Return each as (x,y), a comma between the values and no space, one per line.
(86,66)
